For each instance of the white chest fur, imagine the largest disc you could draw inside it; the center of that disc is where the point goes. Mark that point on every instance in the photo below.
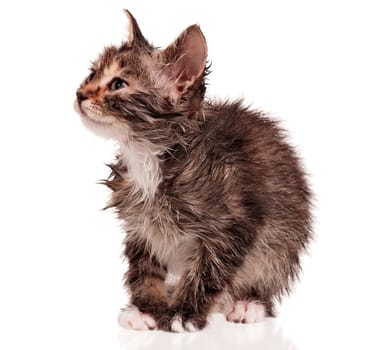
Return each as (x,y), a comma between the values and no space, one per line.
(178,262)
(142,164)
(154,224)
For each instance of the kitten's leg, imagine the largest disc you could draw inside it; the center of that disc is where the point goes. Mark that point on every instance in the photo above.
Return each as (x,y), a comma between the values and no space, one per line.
(212,268)
(145,282)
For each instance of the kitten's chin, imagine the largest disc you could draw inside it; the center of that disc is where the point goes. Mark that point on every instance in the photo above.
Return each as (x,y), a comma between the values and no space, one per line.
(107,127)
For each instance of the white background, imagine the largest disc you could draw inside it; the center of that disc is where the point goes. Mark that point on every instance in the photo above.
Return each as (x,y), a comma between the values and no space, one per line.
(323,67)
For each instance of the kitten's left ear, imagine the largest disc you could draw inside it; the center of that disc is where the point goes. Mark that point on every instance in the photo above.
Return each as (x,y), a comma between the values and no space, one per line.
(135,36)
(185,59)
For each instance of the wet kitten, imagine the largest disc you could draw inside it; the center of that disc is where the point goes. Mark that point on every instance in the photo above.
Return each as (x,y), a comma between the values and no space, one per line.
(213,200)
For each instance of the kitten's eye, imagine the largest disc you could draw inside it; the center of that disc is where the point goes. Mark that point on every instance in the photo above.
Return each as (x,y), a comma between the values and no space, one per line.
(117,84)
(90,76)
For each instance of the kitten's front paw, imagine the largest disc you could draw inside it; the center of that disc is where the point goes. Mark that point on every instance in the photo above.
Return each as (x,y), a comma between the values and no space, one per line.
(178,323)
(132,318)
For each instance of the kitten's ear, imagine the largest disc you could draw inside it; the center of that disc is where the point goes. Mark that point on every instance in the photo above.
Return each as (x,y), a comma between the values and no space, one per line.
(185,59)
(135,36)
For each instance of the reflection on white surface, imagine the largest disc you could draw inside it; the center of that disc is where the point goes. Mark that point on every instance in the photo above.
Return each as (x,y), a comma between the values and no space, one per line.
(219,334)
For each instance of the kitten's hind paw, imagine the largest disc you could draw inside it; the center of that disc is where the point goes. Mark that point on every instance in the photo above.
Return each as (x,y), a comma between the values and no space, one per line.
(246,312)
(132,318)
(178,324)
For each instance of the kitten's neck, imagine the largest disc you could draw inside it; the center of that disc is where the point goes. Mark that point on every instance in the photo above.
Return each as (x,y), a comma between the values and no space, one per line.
(141,158)
(141,162)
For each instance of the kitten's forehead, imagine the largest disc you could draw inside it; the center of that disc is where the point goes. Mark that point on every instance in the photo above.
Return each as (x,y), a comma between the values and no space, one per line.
(122,62)
(124,58)
(105,59)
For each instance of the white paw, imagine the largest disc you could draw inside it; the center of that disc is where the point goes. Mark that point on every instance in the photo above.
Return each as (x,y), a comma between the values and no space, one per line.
(247,312)
(132,318)
(189,326)
(177,325)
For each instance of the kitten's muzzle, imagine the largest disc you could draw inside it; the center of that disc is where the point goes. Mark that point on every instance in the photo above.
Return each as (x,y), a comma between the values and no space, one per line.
(80,97)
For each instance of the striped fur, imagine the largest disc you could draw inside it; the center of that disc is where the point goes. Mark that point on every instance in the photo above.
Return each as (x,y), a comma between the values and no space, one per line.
(213,199)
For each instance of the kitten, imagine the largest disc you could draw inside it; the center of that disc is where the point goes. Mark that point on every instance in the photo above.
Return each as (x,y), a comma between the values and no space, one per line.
(213,200)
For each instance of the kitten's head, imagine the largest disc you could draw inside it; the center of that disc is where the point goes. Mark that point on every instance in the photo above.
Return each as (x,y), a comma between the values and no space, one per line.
(132,90)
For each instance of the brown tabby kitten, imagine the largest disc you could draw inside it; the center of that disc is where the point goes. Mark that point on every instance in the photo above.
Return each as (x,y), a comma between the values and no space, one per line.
(213,200)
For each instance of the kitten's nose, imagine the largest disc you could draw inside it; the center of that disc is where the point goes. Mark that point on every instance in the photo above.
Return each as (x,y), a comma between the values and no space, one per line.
(80,97)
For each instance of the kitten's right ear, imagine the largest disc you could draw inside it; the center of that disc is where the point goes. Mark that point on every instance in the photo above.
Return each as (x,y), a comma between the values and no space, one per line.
(135,36)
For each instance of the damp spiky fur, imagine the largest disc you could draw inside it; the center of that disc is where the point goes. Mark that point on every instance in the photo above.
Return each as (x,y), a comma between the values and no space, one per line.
(210,192)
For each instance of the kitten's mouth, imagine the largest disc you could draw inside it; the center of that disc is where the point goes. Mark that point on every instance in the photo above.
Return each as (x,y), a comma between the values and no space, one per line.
(86,116)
